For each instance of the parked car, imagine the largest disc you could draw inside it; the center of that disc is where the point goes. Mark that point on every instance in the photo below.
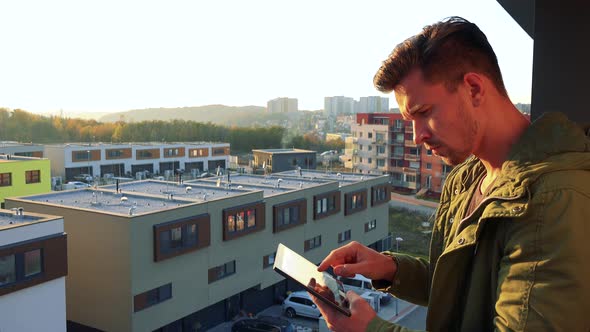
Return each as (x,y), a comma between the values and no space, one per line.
(78,184)
(83,177)
(299,303)
(359,284)
(263,323)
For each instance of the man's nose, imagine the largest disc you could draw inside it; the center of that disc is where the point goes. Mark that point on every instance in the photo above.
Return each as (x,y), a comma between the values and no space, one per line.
(421,132)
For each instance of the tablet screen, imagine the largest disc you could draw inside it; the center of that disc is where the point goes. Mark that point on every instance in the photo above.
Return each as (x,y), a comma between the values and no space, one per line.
(294,266)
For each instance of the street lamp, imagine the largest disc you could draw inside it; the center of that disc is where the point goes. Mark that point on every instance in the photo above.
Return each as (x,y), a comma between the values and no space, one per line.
(397,241)
(88,158)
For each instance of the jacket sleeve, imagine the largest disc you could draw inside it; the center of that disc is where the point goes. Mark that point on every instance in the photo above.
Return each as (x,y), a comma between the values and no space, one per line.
(411,281)
(543,274)
(380,325)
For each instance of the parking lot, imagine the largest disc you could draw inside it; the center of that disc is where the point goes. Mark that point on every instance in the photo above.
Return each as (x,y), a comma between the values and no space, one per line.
(387,312)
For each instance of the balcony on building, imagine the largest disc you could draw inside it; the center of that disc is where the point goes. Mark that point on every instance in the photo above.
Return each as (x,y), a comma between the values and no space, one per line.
(410,143)
(412,157)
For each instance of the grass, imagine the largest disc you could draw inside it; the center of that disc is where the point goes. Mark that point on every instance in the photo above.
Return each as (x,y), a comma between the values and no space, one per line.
(407,224)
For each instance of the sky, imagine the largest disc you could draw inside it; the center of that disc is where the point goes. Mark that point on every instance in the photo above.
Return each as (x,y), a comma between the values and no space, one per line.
(105,56)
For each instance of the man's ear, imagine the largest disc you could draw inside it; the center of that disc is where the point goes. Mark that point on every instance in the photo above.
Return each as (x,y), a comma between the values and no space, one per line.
(475,85)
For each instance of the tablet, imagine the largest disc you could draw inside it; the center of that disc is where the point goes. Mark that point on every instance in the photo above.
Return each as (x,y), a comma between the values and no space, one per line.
(321,284)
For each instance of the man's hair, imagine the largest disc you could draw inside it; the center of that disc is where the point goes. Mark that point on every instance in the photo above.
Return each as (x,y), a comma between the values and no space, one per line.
(444,52)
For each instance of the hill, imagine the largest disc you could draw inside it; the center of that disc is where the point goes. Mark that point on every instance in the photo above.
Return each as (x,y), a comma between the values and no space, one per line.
(218,114)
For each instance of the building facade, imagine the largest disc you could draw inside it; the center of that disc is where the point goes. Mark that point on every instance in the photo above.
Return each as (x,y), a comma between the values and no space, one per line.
(338,105)
(100,160)
(382,143)
(372,104)
(282,105)
(21,149)
(23,176)
(190,256)
(280,160)
(33,266)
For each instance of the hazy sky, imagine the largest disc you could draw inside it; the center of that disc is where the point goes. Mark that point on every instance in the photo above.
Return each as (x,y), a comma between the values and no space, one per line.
(117,55)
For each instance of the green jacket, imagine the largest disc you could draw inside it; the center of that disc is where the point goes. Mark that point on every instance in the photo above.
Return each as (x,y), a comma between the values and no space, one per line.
(521,260)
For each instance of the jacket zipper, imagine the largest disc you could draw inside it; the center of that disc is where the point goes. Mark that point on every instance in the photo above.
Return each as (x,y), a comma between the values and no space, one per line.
(480,204)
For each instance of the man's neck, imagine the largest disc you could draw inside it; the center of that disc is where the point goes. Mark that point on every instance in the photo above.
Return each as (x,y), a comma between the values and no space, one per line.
(503,128)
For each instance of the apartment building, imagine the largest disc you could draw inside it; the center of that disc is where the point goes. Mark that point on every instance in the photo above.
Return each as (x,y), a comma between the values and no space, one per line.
(33,266)
(23,176)
(128,159)
(282,105)
(21,149)
(382,143)
(280,160)
(160,256)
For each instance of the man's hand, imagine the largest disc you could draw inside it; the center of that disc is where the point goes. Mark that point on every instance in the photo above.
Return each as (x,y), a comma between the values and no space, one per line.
(355,258)
(361,314)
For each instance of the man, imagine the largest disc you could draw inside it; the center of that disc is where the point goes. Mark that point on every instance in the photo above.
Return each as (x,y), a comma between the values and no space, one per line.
(510,244)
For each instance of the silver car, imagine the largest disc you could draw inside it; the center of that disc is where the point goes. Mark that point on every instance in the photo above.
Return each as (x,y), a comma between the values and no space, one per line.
(299,303)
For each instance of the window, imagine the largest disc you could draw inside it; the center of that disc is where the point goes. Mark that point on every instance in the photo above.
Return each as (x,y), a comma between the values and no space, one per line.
(7,269)
(355,202)
(5,179)
(370,148)
(29,263)
(410,178)
(218,151)
(380,194)
(370,160)
(202,152)
(398,151)
(312,243)
(380,162)
(268,260)
(146,154)
(398,163)
(428,166)
(32,262)
(33,176)
(344,236)
(114,153)
(181,236)
(370,135)
(447,169)
(289,214)
(222,271)
(152,297)
(414,151)
(399,123)
(371,225)
(171,152)
(429,152)
(326,204)
(242,220)
(82,155)
(379,137)
(381,149)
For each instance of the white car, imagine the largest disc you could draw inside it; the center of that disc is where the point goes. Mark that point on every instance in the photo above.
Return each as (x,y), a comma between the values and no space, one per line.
(300,304)
(78,184)
(360,285)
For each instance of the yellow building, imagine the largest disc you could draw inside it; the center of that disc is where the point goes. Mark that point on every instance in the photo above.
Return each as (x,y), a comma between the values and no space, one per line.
(20,176)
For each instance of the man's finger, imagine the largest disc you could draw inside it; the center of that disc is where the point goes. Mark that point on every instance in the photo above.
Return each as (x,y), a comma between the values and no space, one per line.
(335,257)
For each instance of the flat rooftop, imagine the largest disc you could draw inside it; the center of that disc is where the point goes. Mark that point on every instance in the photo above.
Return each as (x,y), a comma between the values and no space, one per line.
(8,219)
(323,176)
(271,180)
(109,201)
(131,144)
(198,191)
(194,190)
(12,158)
(283,151)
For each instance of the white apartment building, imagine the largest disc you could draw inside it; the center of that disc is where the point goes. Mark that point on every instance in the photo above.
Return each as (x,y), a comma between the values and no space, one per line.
(282,105)
(33,266)
(128,159)
(372,104)
(338,105)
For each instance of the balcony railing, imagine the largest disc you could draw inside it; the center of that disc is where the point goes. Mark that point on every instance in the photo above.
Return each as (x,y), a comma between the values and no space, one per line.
(397,142)
(410,143)
(411,157)
(409,130)
(411,171)
(397,129)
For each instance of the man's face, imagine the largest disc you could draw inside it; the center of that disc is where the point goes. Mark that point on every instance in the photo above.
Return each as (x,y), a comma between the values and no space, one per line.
(443,121)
